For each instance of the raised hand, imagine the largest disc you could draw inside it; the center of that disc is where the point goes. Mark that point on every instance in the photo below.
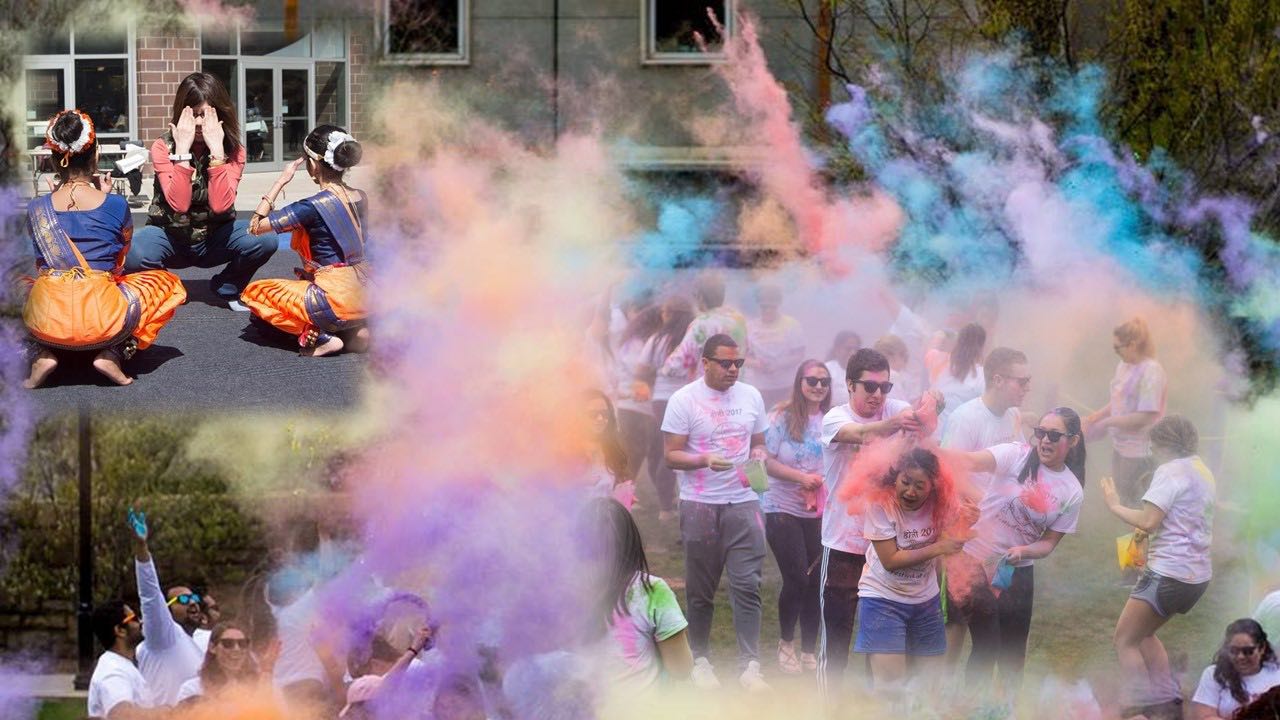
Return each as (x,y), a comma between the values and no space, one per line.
(138,524)
(1109,492)
(286,174)
(102,181)
(184,132)
(214,135)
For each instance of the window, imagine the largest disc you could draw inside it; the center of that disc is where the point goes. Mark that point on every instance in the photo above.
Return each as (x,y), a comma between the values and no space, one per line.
(672,29)
(426,31)
(89,67)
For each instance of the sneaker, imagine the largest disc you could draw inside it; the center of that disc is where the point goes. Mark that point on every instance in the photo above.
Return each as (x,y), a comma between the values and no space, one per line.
(751,679)
(704,676)
(809,661)
(788,663)
(235,305)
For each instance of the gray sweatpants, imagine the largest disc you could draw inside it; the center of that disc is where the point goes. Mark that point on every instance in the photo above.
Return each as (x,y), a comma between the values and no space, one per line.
(718,538)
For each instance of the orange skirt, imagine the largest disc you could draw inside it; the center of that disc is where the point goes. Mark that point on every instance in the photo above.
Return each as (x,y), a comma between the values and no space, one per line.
(88,310)
(283,303)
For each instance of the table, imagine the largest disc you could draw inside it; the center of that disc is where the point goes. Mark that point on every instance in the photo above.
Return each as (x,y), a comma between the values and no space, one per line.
(107,156)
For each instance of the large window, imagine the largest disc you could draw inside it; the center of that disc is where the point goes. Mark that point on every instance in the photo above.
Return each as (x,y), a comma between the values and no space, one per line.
(676,31)
(90,67)
(429,32)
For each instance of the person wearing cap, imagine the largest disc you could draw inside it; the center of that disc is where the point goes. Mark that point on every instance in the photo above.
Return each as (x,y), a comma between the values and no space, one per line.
(324,308)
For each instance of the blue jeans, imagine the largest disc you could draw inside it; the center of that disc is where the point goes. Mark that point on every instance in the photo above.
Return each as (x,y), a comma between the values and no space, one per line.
(229,244)
(894,628)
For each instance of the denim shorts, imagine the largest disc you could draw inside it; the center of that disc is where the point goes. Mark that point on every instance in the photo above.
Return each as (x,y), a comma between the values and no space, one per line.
(1165,595)
(893,628)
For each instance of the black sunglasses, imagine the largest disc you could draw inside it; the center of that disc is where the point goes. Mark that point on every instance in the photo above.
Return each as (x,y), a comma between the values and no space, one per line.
(871,386)
(726,364)
(229,643)
(1053,435)
(1246,650)
(817,382)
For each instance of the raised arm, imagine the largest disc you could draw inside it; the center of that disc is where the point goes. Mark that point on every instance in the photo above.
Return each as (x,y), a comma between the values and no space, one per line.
(1148,519)
(259,223)
(157,624)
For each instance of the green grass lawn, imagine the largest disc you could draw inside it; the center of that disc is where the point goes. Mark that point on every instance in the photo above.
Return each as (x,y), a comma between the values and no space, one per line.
(61,710)
(1078,598)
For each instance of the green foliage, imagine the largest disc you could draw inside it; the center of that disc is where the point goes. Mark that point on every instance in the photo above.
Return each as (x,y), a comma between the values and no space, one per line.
(199,532)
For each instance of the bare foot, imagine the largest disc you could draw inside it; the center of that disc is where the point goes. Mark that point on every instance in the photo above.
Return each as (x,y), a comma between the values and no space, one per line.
(329,347)
(359,341)
(107,364)
(44,364)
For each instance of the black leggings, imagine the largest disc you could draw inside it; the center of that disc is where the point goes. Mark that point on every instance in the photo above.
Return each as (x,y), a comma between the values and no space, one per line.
(999,627)
(664,478)
(796,543)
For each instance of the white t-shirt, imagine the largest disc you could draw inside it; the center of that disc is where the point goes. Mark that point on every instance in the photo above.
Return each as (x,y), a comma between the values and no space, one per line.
(631,646)
(839,388)
(298,660)
(1011,514)
(958,392)
(201,638)
(684,364)
(776,351)
(116,680)
(192,688)
(168,656)
(909,530)
(1210,692)
(1184,490)
(1140,387)
(842,530)
(972,427)
(719,423)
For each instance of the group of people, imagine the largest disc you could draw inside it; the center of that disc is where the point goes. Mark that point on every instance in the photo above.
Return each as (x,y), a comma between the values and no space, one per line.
(101,288)
(901,524)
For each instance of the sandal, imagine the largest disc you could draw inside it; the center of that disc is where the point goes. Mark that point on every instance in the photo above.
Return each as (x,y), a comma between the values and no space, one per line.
(788,663)
(808,661)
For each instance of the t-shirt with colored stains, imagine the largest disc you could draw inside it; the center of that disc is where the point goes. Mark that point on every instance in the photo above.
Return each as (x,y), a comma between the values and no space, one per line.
(717,423)
(776,351)
(804,455)
(1184,490)
(1214,694)
(909,529)
(684,364)
(1012,514)
(841,529)
(1137,387)
(652,616)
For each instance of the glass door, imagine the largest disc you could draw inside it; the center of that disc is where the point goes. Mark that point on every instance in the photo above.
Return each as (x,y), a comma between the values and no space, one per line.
(277,112)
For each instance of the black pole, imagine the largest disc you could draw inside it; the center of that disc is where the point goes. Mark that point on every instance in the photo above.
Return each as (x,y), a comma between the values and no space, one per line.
(84,633)
(555,71)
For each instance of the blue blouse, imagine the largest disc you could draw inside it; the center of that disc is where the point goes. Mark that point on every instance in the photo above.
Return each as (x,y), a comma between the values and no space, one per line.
(97,233)
(325,250)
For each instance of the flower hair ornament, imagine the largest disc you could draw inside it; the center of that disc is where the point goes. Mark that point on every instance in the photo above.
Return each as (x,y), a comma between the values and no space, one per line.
(87,136)
(336,138)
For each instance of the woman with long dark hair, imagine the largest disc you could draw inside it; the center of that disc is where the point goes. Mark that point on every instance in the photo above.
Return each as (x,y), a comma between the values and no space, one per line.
(962,379)
(676,316)
(635,618)
(608,471)
(1244,668)
(80,299)
(324,308)
(228,663)
(198,163)
(793,513)
(1031,503)
(1177,516)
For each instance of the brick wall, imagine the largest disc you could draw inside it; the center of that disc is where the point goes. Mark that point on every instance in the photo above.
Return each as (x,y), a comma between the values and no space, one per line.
(362,56)
(163,60)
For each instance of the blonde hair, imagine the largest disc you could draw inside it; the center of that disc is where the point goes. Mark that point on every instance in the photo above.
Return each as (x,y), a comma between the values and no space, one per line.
(1176,433)
(1135,331)
(892,346)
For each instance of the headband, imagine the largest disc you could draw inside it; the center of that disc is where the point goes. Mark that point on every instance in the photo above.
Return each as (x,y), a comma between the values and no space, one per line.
(336,138)
(87,136)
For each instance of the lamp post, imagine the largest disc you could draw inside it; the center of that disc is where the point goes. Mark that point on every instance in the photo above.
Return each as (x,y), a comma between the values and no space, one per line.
(84,633)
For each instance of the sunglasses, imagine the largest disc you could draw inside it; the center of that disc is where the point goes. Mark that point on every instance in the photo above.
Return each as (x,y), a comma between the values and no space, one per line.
(1053,435)
(817,382)
(184,599)
(871,386)
(131,617)
(1023,382)
(233,643)
(726,364)
(1245,651)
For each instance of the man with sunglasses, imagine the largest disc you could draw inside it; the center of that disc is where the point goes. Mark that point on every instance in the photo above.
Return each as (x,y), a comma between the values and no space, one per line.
(169,656)
(711,428)
(869,414)
(117,690)
(994,417)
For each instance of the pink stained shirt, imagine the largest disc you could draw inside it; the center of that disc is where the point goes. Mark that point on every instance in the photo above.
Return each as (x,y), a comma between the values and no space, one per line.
(175,180)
